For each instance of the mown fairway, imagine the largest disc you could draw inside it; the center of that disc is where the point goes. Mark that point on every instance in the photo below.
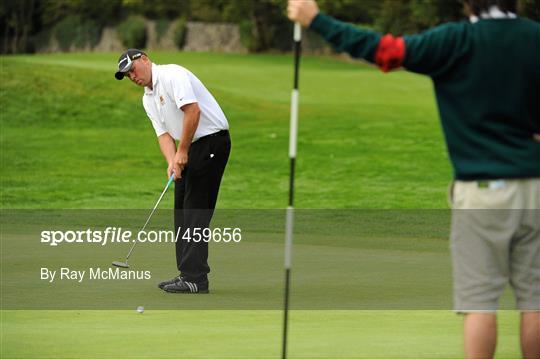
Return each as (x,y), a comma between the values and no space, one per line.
(74,137)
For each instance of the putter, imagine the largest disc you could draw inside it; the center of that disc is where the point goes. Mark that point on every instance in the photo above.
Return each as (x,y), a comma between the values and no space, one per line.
(126,264)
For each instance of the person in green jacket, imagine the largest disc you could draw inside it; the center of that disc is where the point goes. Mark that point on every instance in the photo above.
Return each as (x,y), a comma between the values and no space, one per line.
(486,76)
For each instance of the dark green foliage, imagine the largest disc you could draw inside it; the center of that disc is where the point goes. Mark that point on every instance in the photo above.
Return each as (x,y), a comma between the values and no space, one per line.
(207,10)
(407,16)
(42,40)
(263,23)
(394,16)
(180,32)
(73,31)
(19,20)
(271,30)
(246,35)
(89,33)
(530,9)
(63,31)
(103,12)
(429,13)
(153,9)
(132,32)
(162,25)
(355,11)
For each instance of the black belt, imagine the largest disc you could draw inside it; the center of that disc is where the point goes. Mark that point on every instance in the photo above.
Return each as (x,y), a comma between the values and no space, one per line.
(215,134)
(219,133)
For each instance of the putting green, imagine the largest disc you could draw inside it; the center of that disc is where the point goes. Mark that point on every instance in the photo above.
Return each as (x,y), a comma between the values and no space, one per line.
(240,334)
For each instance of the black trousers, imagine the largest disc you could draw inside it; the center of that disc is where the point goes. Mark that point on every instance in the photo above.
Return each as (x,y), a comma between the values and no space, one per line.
(195,196)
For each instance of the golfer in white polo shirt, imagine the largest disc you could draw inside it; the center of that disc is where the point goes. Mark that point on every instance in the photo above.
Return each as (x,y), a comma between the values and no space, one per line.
(182,109)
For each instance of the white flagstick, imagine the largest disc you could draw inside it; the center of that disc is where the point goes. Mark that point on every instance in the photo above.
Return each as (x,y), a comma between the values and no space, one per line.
(289,223)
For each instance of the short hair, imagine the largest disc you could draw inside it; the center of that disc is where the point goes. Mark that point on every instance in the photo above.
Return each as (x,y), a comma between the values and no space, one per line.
(478,6)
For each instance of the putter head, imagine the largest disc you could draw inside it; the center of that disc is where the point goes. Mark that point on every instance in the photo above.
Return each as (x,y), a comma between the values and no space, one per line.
(120,264)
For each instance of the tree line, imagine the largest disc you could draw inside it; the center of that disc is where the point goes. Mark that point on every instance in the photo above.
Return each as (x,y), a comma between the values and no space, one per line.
(27,23)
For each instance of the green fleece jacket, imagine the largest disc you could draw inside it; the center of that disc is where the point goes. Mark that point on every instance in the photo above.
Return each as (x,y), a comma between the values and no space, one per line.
(486,77)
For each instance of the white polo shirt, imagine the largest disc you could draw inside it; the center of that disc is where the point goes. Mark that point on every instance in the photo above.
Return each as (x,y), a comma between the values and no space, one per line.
(173,87)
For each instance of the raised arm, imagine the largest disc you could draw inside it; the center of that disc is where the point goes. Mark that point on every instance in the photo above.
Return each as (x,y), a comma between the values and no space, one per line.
(387,52)
(428,53)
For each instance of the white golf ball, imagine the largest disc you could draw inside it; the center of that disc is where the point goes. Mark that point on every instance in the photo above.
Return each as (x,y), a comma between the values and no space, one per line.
(140,309)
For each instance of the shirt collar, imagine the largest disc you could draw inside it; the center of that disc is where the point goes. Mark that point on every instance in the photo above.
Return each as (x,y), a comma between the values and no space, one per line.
(155,75)
(493,13)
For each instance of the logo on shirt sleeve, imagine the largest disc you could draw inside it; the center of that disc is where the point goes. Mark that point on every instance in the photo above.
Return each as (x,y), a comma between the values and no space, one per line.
(161,100)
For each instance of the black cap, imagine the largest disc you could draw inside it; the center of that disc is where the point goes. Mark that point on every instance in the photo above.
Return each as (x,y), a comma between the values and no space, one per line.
(125,61)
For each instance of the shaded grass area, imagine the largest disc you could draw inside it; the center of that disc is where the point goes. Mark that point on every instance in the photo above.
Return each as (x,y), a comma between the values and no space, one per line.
(347,270)
(73,137)
(344,259)
(244,276)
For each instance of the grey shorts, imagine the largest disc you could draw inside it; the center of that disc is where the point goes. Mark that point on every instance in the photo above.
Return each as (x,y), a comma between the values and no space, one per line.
(495,241)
